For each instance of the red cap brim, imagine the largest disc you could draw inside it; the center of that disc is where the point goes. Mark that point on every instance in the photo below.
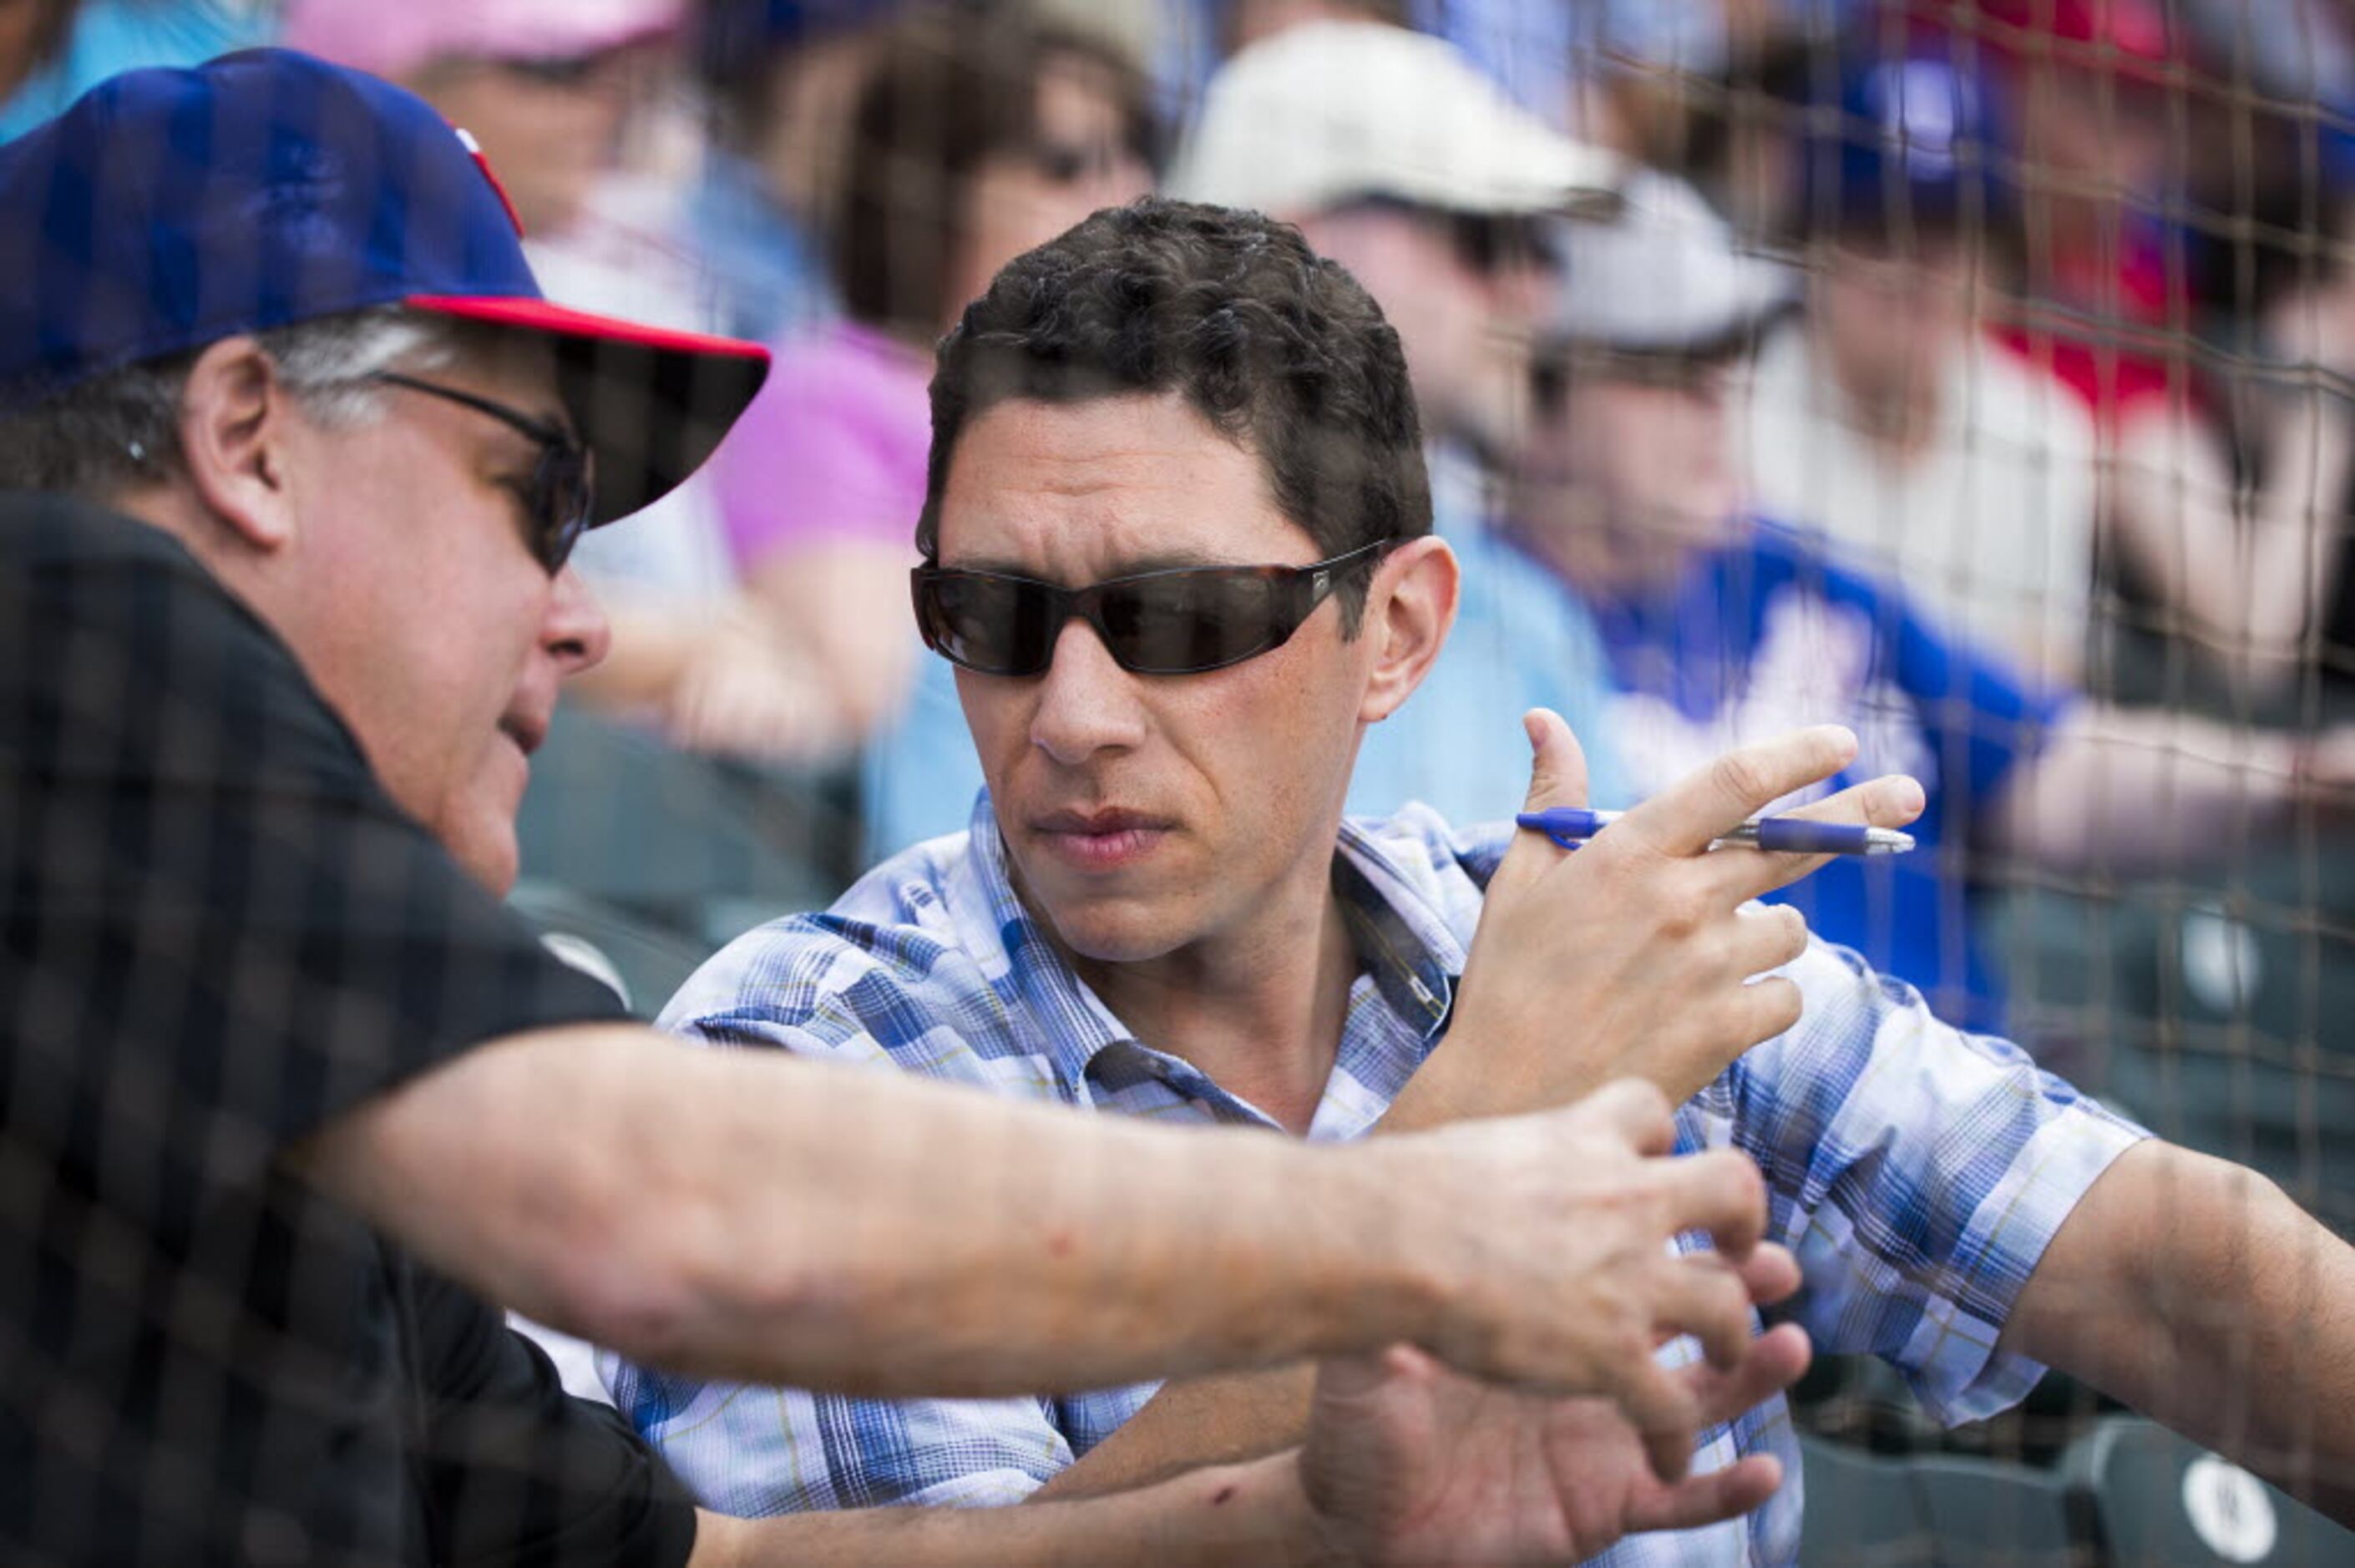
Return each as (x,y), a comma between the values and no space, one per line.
(650,402)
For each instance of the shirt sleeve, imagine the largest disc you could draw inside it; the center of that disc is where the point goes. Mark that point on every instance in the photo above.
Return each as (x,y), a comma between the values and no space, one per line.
(833,990)
(755,1452)
(1917,1171)
(516,1471)
(219,933)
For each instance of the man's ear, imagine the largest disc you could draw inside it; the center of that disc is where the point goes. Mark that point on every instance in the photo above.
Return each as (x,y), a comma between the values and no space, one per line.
(235,419)
(1409,611)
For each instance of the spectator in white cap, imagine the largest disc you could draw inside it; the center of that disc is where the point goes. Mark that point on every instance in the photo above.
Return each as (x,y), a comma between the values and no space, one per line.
(1399,159)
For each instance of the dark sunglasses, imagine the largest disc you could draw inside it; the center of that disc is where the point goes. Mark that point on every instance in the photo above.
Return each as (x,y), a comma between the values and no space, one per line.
(1182,621)
(563,490)
(567,71)
(1487,244)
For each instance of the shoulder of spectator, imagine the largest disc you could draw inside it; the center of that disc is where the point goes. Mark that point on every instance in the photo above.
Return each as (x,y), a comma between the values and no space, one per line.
(886,965)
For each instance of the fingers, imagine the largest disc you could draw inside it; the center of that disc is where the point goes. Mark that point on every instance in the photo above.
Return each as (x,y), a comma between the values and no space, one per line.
(1767,936)
(1556,763)
(1736,787)
(1703,1295)
(1664,1407)
(1774,1361)
(1707,1498)
(1770,1274)
(1770,1364)
(1767,1008)
(1892,800)
(1633,1109)
(1720,1192)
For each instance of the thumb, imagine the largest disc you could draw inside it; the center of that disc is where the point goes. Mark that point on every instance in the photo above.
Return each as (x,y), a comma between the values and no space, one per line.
(1557,766)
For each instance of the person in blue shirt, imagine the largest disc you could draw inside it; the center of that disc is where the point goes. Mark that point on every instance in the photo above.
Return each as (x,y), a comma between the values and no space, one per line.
(1721,626)
(53,51)
(1177,541)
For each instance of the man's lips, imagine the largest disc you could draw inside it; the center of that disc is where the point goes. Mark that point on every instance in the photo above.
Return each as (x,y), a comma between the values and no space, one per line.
(526,732)
(1100,840)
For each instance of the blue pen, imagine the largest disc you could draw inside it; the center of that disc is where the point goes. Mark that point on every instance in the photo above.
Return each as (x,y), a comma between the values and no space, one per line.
(1567,825)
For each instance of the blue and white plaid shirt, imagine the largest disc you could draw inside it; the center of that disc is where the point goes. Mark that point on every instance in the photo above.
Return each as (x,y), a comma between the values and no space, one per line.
(1917,1171)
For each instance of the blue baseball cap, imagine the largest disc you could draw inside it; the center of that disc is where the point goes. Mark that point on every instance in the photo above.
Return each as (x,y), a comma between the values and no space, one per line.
(1916,140)
(168,209)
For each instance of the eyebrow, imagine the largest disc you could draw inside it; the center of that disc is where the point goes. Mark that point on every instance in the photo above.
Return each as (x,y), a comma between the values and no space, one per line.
(1159,561)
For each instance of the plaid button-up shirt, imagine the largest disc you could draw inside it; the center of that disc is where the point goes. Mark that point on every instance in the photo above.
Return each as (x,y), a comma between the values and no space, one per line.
(1918,1172)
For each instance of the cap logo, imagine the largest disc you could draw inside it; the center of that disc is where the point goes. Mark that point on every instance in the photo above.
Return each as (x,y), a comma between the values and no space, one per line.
(474,151)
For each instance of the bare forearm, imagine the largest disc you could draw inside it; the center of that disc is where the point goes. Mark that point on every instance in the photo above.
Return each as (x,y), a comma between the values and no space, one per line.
(1222,1420)
(2135,792)
(864,1231)
(1253,1513)
(2197,1292)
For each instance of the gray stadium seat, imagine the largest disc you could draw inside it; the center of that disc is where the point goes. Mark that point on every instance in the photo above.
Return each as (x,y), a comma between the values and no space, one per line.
(692,843)
(1984,1513)
(649,961)
(2162,1501)
(1861,1511)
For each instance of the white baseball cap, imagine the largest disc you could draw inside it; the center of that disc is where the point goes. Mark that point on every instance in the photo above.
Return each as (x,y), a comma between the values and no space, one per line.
(1661,273)
(1328,113)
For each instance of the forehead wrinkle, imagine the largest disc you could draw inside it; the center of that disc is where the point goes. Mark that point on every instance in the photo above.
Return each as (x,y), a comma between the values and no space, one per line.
(1113,500)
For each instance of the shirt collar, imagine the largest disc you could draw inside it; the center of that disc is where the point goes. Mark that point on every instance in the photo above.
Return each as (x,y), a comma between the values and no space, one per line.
(1396,912)
(1079,1025)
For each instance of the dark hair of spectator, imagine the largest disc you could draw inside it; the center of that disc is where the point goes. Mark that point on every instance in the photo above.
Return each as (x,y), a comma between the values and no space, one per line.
(951,88)
(1278,349)
(52,24)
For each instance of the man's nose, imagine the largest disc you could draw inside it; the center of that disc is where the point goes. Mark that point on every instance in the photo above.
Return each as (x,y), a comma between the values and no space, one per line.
(576,633)
(1087,703)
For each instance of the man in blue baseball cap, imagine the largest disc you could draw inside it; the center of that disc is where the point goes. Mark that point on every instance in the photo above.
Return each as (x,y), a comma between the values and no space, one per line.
(291,455)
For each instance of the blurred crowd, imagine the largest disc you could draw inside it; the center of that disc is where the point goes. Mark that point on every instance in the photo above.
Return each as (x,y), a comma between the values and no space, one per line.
(1971,372)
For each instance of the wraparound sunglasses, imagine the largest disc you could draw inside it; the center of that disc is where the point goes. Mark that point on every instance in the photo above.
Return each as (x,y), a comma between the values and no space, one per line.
(1180,621)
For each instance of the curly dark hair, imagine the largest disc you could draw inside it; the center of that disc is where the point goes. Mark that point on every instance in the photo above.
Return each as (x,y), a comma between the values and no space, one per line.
(1282,351)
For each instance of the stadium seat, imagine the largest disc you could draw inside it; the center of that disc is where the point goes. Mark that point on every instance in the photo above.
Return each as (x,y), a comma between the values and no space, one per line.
(1861,1511)
(649,961)
(2161,1500)
(1984,1513)
(691,844)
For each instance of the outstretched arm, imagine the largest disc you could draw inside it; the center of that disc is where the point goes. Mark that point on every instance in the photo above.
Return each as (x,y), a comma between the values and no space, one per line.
(2198,1293)
(866,1233)
(2134,791)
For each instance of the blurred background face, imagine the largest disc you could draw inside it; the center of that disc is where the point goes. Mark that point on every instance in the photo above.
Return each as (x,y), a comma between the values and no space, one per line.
(1078,159)
(1145,815)
(1628,468)
(551,127)
(978,135)
(1463,291)
(1889,319)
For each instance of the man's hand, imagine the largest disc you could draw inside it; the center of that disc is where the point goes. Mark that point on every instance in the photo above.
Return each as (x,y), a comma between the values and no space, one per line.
(1635,954)
(1551,1238)
(1407,1462)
